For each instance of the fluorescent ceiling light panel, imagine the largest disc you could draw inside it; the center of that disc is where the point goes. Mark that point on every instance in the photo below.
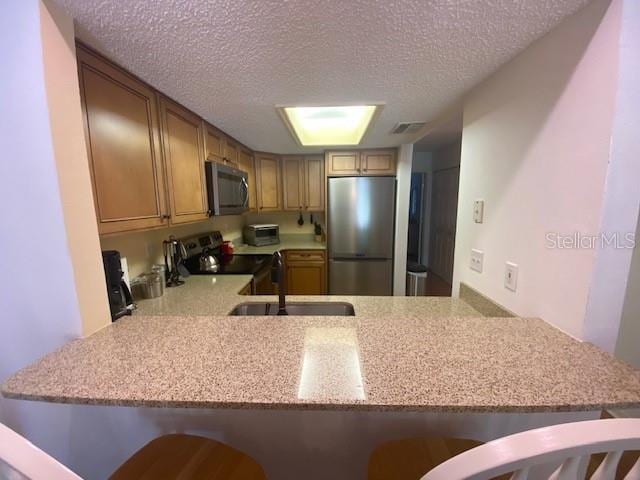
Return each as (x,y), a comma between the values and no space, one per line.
(324,126)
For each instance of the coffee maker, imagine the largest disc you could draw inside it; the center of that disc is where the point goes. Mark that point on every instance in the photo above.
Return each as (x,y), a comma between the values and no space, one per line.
(120,301)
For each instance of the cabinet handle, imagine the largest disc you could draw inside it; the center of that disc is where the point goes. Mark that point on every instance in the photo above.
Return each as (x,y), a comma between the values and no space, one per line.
(165,216)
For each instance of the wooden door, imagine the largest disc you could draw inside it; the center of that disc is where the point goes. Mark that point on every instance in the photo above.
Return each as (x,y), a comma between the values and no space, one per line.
(293,195)
(184,161)
(343,163)
(245,163)
(214,143)
(306,272)
(378,162)
(123,143)
(231,153)
(314,183)
(268,182)
(444,211)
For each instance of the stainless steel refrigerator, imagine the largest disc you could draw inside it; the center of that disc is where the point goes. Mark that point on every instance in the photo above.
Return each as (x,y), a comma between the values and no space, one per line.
(361,226)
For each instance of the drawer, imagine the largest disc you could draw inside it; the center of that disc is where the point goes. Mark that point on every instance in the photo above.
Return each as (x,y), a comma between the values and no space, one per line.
(305,256)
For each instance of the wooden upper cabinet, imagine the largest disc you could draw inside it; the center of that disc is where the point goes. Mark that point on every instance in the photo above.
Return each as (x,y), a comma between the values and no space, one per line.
(245,163)
(361,162)
(293,194)
(184,162)
(314,183)
(231,153)
(122,136)
(378,162)
(268,182)
(214,143)
(343,163)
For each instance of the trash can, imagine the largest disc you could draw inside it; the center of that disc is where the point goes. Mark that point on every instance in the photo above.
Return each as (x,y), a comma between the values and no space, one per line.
(416,280)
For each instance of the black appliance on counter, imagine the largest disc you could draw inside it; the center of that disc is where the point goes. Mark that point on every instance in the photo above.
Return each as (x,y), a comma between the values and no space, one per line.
(206,244)
(120,300)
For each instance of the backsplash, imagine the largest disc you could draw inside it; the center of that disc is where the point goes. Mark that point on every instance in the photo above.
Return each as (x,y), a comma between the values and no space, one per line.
(144,249)
(288,221)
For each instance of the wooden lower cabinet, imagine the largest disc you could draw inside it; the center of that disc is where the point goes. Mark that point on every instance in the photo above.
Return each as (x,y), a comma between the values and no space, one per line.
(306,272)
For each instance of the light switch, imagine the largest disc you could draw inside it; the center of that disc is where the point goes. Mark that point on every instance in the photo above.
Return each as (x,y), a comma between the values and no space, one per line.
(477,259)
(478,211)
(511,276)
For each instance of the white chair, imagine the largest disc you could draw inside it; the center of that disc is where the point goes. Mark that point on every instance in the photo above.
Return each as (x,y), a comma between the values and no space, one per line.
(568,443)
(28,460)
(170,456)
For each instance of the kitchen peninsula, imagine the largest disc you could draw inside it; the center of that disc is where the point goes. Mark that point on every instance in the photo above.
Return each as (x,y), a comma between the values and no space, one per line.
(397,353)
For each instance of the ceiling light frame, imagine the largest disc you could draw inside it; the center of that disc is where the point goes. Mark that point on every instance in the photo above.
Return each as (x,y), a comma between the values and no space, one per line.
(378,106)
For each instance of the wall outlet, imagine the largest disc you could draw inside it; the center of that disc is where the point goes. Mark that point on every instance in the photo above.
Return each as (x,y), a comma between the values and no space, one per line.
(477,260)
(478,211)
(511,276)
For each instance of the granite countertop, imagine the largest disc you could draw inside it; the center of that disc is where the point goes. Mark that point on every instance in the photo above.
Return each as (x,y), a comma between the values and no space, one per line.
(403,362)
(287,242)
(396,354)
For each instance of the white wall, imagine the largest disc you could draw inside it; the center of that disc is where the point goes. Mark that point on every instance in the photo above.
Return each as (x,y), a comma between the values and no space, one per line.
(38,300)
(628,344)
(622,195)
(626,146)
(535,147)
(405,157)
(70,151)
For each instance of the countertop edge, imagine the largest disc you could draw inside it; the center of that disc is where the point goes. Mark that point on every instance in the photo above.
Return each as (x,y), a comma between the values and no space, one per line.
(320,406)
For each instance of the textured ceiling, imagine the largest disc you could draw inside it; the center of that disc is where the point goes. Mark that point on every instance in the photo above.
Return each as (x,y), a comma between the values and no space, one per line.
(232,61)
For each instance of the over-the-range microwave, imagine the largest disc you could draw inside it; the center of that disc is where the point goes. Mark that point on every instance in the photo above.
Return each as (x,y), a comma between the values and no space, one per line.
(227,189)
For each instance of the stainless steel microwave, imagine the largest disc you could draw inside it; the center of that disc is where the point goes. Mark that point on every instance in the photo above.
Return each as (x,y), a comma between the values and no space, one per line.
(227,189)
(259,235)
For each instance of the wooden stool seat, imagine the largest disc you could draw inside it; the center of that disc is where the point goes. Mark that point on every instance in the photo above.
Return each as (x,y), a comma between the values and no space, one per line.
(188,457)
(411,458)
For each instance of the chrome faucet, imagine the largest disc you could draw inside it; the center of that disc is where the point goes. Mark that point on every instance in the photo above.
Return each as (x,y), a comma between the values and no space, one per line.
(278,277)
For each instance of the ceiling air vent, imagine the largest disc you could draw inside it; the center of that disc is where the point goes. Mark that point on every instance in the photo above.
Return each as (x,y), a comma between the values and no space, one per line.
(408,127)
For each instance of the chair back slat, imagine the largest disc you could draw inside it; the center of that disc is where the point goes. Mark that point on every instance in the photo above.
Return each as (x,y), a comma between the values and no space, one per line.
(608,467)
(522,474)
(27,459)
(569,443)
(569,470)
(634,473)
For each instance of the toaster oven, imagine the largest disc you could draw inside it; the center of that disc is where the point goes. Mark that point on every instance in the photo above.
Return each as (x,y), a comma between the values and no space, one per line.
(263,234)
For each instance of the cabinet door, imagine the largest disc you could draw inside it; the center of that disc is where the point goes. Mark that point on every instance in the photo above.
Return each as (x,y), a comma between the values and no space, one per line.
(314,183)
(122,136)
(293,183)
(343,163)
(184,162)
(268,182)
(378,162)
(231,153)
(245,163)
(213,143)
(306,272)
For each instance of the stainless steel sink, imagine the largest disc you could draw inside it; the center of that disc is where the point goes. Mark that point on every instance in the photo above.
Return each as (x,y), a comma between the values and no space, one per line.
(338,309)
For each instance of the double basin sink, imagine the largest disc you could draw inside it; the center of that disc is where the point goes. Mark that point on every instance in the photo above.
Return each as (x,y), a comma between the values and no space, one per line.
(337,309)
